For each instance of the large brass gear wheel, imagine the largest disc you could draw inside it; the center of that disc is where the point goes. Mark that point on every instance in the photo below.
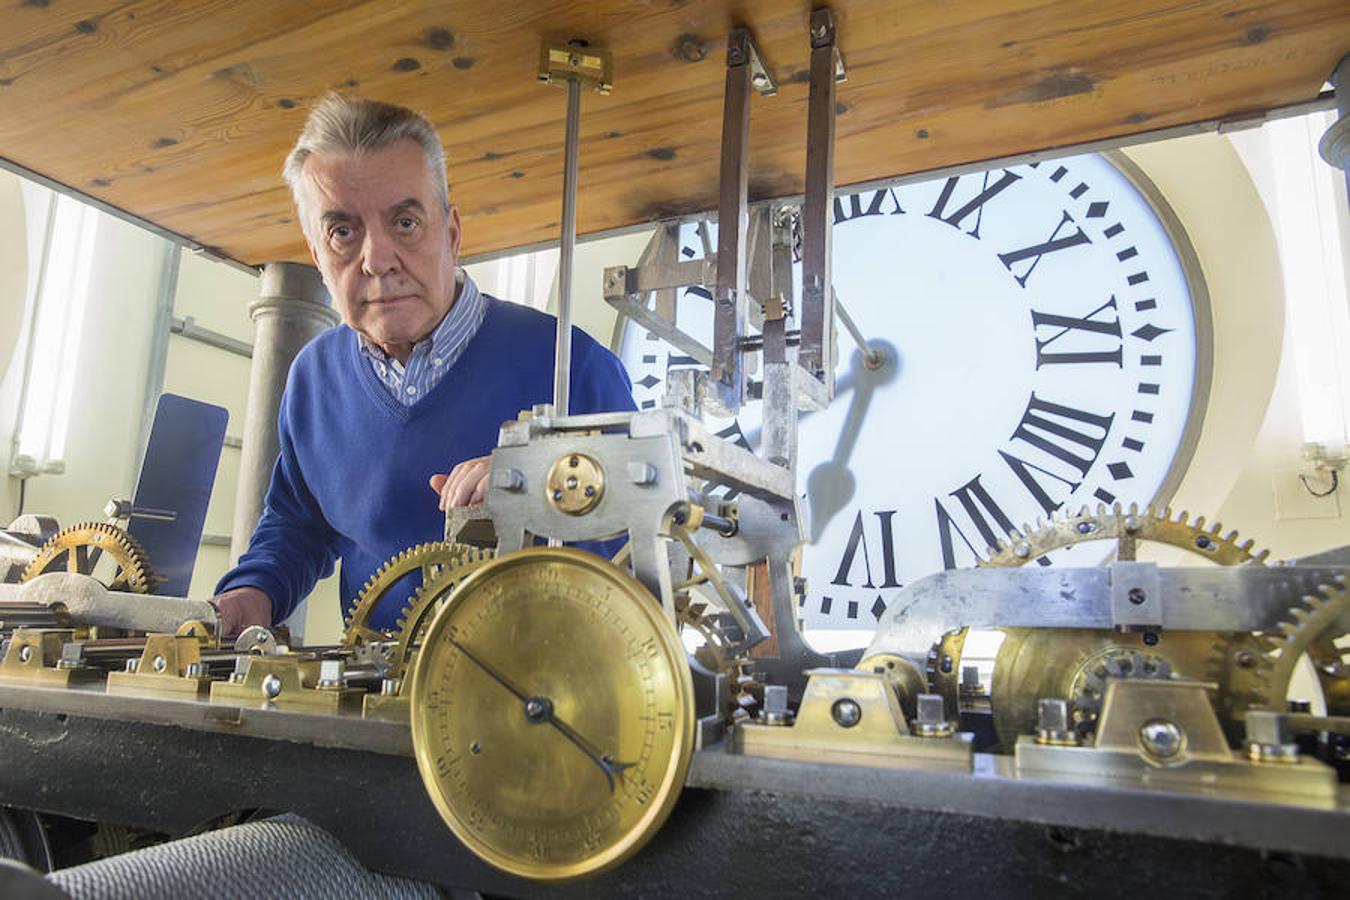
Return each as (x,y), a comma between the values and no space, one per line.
(1127,527)
(1312,628)
(79,549)
(440,565)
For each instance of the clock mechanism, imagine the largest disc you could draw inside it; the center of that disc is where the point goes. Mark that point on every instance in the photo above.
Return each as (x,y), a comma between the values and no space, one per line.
(1026,342)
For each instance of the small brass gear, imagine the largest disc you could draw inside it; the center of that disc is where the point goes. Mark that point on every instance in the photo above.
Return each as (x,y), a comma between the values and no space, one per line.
(71,550)
(745,693)
(1312,628)
(943,667)
(1127,527)
(424,560)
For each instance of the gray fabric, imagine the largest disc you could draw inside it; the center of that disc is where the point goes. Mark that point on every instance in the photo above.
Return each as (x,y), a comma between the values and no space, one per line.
(281,857)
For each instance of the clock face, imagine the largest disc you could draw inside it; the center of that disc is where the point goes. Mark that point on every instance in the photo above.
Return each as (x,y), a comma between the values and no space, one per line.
(1043,347)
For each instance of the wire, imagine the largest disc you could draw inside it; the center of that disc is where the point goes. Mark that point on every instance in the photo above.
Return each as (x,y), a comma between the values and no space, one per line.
(1335,483)
(23,483)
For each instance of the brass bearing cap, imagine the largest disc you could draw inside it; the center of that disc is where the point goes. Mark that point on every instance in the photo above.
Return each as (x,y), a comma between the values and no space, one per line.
(576,482)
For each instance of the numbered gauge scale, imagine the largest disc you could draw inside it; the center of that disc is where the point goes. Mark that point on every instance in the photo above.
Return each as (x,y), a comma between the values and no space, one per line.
(1045,338)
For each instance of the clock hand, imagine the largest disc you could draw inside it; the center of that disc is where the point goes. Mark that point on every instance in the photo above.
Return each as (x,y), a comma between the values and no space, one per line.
(830,486)
(540,709)
(496,676)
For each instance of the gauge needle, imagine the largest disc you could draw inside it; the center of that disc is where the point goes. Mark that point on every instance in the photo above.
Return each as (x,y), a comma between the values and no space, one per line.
(830,486)
(540,709)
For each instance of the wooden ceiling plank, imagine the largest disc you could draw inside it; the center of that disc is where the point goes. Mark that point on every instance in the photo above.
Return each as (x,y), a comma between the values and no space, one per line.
(197,147)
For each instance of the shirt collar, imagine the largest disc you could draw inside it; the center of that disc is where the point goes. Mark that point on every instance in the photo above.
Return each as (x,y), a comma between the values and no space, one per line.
(455,327)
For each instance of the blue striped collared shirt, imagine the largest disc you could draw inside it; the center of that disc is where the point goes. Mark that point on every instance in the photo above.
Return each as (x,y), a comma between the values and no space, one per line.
(432,356)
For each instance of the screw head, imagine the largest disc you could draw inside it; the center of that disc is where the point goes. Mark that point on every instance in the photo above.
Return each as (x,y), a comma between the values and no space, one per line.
(1137,596)
(846,712)
(271,687)
(1161,738)
(25,653)
(1022,550)
(159,664)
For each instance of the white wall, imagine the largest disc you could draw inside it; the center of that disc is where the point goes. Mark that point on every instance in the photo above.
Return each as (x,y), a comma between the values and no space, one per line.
(1244,472)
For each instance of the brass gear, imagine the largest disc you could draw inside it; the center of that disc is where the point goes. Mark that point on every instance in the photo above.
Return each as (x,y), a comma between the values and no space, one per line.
(745,693)
(1312,628)
(1073,664)
(68,551)
(943,667)
(1127,527)
(426,600)
(429,561)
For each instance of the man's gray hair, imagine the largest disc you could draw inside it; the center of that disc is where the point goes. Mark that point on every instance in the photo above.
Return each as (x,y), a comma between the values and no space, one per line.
(347,125)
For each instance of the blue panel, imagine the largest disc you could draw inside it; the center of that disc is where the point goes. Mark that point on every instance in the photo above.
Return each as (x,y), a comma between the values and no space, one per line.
(177,474)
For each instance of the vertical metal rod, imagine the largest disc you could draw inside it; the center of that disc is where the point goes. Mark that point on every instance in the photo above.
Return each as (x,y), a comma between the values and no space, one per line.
(816,353)
(732,218)
(562,371)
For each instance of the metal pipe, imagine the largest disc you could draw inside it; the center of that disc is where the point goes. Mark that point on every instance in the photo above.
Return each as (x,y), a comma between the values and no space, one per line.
(562,370)
(188,328)
(292,308)
(871,358)
(1335,144)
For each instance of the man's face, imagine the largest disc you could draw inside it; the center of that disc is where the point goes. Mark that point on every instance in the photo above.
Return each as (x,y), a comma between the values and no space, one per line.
(386,251)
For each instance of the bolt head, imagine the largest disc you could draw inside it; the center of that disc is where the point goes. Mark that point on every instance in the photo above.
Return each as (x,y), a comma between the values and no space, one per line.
(271,687)
(25,653)
(1162,738)
(846,712)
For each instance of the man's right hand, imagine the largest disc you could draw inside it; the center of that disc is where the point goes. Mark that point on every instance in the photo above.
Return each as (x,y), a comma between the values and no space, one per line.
(240,608)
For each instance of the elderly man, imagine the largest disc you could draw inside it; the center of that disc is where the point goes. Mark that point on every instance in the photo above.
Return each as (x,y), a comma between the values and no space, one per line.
(414,383)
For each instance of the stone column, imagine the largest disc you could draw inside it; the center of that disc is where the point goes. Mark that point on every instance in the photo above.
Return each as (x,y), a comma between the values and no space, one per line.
(292,307)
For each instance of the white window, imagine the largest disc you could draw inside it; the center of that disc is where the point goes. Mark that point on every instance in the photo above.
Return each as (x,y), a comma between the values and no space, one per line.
(62,260)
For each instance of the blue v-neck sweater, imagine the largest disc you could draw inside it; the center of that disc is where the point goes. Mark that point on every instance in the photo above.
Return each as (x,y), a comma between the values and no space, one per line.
(351,479)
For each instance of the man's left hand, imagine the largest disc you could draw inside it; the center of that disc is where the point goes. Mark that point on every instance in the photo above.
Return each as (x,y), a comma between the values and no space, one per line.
(466,485)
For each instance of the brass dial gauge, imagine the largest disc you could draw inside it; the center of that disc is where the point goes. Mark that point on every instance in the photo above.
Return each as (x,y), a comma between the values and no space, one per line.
(552,714)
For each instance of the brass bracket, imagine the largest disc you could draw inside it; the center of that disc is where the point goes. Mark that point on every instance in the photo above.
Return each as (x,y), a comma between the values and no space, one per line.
(1164,734)
(170,664)
(283,682)
(561,63)
(51,657)
(853,717)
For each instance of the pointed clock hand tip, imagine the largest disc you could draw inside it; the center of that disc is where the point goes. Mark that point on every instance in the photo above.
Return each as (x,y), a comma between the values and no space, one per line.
(829,488)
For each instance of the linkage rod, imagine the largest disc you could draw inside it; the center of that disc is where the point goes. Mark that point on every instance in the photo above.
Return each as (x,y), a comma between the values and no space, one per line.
(562,372)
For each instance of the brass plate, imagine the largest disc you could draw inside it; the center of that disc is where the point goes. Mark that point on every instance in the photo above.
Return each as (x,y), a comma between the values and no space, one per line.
(571,792)
(576,482)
